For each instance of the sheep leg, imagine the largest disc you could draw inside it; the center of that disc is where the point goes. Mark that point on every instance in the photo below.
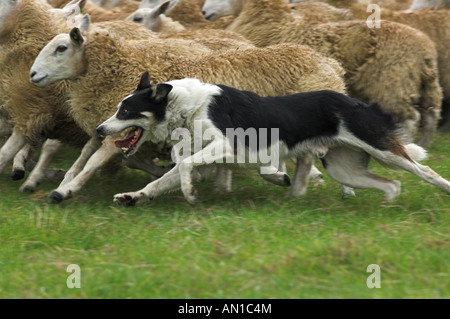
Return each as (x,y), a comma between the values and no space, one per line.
(147,166)
(39,172)
(89,148)
(5,127)
(429,121)
(98,159)
(13,145)
(20,161)
(223,179)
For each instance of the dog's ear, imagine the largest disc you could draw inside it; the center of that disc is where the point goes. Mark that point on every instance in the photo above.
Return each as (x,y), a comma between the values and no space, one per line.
(161,91)
(145,82)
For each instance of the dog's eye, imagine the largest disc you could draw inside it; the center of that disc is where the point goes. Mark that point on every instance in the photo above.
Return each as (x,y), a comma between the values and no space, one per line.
(61,48)
(124,111)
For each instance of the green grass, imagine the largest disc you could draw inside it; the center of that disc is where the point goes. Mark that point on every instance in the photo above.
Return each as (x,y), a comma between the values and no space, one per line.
(252,243)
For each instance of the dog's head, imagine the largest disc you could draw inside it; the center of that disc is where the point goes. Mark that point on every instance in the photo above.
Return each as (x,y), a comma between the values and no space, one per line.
(141,111)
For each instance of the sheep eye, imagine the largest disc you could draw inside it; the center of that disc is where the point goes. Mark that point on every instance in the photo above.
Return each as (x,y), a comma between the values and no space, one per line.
(61,48)
(137,19)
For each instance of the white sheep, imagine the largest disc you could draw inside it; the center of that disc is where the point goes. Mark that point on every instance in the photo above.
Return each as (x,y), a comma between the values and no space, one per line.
(394,65)
(105,69)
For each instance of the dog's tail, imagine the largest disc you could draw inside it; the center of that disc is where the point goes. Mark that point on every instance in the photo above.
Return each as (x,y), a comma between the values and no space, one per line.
(416,152)
(411,152)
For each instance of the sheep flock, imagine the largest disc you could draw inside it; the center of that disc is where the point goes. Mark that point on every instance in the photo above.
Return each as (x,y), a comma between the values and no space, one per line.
(97,51)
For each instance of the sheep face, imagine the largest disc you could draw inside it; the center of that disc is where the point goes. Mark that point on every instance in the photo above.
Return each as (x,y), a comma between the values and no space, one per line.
(61,58)
(7,9)
(144,17)
(150,18)
(214,9)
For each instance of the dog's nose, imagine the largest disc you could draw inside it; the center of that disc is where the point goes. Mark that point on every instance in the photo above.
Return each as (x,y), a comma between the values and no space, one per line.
(99,130)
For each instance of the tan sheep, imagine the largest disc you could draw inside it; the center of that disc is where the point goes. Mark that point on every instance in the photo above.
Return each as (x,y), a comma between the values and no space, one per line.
(111,69)
(99,14)
(188,13)
(425,21)
(395,65)
(216,40)
(35,114)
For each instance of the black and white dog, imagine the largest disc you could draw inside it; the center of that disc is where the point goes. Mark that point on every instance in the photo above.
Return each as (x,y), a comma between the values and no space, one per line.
(341,130)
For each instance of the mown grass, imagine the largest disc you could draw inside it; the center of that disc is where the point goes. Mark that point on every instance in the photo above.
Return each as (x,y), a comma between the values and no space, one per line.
(252,243)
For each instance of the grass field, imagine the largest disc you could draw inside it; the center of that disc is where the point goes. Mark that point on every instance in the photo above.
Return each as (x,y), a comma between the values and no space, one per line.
(252,243)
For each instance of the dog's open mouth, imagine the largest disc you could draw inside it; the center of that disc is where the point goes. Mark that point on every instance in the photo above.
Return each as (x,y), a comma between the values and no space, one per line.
(128,144)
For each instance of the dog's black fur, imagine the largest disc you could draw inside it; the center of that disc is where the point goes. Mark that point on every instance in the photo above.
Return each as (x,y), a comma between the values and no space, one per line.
(302,116)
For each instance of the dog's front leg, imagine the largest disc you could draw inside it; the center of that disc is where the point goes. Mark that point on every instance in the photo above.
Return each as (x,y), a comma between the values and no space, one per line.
(100,157)
(168,182)
(208,155)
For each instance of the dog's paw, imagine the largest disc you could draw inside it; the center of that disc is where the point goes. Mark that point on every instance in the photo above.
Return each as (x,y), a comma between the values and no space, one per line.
(126,200)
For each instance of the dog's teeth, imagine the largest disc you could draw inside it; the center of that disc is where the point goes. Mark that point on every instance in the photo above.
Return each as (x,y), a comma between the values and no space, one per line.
(124,149)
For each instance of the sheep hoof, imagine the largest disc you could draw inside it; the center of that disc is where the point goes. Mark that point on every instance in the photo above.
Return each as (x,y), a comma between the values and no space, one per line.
(55,198)
(287,180)
(27,189)
(17,174)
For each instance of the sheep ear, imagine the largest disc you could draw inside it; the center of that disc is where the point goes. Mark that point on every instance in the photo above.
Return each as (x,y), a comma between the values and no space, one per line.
(162,90)
(145,82)
(163,7)
(84,24)
(76,37)
(173,3)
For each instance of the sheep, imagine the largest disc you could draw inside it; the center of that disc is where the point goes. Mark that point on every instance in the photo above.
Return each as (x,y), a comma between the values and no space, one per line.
(25,27)
(319,12)
(425,21)
(36,114)
(430,4)
(216,40)
(106,69)
(385,65)
(187,13)
(99,14)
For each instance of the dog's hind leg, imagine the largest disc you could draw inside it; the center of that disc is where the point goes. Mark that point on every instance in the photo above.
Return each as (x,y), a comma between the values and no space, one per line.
(349,167)
(409,165)
(301,175)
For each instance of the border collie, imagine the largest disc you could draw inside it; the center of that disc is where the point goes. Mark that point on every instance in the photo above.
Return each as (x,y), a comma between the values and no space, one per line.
(344,132)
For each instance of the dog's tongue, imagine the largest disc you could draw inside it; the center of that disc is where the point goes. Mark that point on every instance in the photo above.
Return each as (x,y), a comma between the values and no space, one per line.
(126,141)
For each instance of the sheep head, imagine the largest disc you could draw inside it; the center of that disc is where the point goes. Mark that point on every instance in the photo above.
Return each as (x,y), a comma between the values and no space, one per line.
(150,17)
(8,15)
(62,58)
(214,9)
